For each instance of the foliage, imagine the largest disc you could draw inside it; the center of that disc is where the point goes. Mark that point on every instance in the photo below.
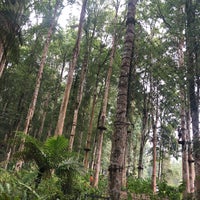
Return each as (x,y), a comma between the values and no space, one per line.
(53,156)
(173,193)
(20,186)
(16,186)
(143,186)
(139,186)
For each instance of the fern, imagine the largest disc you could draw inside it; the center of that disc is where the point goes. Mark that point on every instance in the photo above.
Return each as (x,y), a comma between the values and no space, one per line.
(56,149)
(52,155)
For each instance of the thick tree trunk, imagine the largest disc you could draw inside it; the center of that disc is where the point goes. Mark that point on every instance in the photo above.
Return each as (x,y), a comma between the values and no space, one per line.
(65,100)
(121,125)
(32,106)
(124,178)
(193,87)
(129,156)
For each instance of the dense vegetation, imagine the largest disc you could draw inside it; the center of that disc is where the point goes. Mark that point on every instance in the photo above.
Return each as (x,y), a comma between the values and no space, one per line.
(105,89)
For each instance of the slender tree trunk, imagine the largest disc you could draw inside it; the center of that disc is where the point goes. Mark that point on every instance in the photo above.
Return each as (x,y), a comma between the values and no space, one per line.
(94,152)
(190,154)
(102,126)
(7,159)
(183,130)
(57,91)
(80,92)
(98,158)
(2,65)
(2,59)
(155,118)
(46,103)
(185,171)
(89,133)
(41,69)
(141,153)
(32,106)
(154,158)
(1,51)
(135,145)
(162,167)
(80,143)
(65,100)
(121,125)
(145,132)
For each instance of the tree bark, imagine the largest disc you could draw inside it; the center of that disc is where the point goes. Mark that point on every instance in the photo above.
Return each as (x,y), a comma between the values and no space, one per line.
(102,125)
(154,157)
(193,87)
(72,65)
(185,169)
(78,101)
(43,116)
(190,154)
(2,65)
(183,131)
(121,125)
(155,120)
(89,133)
(145,132)
(2,59)
(81,86)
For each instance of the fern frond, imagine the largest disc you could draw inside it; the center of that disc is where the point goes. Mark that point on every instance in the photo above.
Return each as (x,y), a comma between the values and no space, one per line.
(56,149)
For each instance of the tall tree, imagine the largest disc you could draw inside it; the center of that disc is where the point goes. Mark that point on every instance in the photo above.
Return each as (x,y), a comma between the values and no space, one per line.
(121,125)
(72,65)
(192,31)
(102,123)
(183,131)
(88,43)
(32,106)
(155,121)
(92,113)
(144,133)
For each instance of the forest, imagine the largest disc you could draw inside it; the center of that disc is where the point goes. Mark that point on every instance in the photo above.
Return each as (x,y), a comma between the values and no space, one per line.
(99,99)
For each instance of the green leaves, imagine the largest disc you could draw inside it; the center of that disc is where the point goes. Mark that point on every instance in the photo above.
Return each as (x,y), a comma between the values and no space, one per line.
(55,148)
(48,155)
